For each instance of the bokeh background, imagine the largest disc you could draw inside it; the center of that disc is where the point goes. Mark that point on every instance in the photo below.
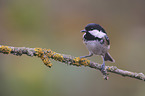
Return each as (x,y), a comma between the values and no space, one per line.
(56,24)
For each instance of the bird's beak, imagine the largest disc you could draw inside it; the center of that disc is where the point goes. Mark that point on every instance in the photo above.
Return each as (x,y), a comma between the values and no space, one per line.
(83,30)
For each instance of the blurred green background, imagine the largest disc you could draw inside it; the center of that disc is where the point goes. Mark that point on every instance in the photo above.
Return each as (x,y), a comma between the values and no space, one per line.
(56,24)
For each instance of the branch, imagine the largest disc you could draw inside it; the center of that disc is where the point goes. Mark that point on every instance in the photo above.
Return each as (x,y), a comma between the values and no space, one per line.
(46,54)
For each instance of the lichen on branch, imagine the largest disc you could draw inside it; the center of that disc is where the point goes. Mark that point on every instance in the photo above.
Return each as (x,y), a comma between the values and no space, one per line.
(46,54)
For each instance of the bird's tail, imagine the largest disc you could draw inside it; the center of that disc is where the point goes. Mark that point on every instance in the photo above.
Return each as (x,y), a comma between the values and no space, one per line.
(108,57)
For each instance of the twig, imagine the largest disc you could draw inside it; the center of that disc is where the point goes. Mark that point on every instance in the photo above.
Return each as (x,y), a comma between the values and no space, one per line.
(46,54)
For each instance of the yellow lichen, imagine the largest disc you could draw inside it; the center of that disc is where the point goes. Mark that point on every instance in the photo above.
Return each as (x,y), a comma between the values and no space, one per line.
(109,68)
(49,55)
(39,52)
(52,54)
(49,65)
(76,61)
(46,61)
(58,57)
(55,56)
(85,61)
(5,49)
(61,58)
(49,52)
(44,56)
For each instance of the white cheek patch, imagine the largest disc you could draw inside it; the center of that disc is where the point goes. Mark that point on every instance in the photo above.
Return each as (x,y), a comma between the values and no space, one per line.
(97,33)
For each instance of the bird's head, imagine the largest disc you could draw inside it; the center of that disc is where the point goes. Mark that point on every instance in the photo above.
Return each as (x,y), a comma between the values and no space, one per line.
(93,26)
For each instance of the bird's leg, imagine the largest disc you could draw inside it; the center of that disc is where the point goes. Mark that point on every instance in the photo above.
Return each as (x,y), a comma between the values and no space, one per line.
(90,54)
(103,65)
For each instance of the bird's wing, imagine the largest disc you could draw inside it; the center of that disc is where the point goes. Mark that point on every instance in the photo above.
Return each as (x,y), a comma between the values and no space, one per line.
(107,41)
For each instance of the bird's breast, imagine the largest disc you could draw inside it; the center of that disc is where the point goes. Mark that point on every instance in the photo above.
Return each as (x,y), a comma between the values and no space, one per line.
(96,47)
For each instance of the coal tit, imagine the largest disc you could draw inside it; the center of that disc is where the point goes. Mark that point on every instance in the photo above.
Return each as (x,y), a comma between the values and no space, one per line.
(97,42)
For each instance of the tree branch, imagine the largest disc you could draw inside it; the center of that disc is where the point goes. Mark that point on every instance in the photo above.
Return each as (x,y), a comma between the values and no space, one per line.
(46,54)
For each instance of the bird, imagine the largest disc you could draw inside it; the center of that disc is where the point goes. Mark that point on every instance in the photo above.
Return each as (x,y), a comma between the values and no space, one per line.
(97,42)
